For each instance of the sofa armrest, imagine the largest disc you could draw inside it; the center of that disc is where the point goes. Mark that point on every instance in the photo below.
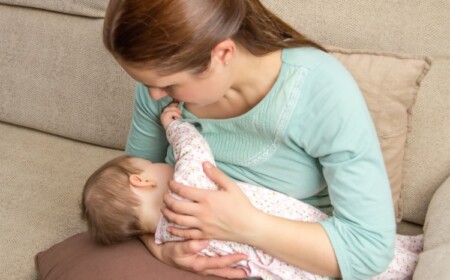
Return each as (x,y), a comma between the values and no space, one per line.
(434,260)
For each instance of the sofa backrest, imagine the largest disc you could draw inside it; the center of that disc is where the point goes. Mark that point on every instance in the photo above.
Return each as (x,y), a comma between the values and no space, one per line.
(55,75)
(87,8)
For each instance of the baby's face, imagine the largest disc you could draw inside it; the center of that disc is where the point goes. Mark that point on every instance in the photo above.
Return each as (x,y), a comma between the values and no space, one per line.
(150,186)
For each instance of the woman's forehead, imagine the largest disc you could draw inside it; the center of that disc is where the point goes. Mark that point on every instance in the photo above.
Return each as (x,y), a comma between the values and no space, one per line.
(151,78)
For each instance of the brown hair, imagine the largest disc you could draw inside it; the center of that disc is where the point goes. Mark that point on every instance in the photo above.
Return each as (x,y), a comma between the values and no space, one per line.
(108,205)
(178,35)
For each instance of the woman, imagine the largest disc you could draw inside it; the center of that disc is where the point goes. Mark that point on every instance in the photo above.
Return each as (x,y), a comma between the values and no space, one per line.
(277,111)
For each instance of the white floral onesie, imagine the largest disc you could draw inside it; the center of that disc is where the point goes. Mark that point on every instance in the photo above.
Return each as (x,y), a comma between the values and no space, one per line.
(191,150)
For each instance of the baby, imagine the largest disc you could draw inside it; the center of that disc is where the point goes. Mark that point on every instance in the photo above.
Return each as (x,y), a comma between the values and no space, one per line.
(123,198)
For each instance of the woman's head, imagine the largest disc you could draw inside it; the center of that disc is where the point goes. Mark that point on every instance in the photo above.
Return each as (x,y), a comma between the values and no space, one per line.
(171,36)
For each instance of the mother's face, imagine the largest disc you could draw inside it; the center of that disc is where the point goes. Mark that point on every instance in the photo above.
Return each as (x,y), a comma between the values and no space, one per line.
(194,89)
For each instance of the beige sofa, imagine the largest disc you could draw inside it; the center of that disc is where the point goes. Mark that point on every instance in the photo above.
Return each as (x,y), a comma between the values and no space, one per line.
(65,108)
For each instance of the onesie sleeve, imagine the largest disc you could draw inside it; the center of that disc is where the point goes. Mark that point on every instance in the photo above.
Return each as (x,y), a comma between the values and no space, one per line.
(190,150)
(146,137)
(337,130)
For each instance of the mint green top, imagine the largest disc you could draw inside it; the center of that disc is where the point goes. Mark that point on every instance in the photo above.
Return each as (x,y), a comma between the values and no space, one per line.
(312,138)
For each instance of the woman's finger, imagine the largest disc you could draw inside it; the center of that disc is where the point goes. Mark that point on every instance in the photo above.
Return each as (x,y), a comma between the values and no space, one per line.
(188,233)
(180,206)
(190,193)
(218,177)
(227,261)
(181,220)
(228,272)
(190,247)
(220,265)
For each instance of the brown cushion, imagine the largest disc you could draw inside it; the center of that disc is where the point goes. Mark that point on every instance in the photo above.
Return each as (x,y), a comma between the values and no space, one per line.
(80,258)
(389,83)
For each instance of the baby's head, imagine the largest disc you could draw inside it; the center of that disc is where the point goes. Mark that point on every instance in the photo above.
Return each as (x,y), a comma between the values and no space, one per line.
(122,198)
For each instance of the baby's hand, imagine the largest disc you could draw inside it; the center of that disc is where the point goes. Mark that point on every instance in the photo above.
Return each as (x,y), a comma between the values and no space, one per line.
(169,114)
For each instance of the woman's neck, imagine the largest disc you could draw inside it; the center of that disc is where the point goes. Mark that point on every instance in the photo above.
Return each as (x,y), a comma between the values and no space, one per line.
(253,77)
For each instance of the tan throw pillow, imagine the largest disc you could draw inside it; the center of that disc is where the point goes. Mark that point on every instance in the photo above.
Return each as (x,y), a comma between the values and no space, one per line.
(389,83)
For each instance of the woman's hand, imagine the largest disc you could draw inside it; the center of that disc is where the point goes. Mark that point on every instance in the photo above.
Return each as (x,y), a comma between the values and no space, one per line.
(184,256)
(223,214)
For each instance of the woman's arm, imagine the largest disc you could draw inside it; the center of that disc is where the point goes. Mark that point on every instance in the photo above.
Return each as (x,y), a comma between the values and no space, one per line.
(283,239)
(147,137)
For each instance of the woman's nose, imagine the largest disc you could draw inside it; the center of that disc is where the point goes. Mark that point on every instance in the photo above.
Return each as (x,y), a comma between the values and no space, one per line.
(156,93)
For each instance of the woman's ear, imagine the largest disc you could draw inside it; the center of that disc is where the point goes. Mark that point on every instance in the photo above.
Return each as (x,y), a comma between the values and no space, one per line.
(138,181)
(224,51)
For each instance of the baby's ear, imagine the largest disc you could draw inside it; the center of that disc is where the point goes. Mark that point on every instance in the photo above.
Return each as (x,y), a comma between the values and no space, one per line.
(137,180)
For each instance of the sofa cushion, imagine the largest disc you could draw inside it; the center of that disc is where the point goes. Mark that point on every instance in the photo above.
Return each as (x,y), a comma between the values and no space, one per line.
(434,260)
(434,264)
(88,8)
(389,83)
(379,25)
(42,177)
(79,257)
(437,223)
(427,155)
(56,77)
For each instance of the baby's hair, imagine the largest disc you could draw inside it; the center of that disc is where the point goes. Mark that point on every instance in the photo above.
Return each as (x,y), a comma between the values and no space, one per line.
(108,205)
(177,35)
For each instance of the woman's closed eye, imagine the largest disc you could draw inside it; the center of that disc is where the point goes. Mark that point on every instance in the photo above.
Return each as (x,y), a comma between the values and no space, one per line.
(169,89)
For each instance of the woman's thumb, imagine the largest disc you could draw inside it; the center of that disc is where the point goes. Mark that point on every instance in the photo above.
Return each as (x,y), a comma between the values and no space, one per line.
(217,176)
(195,246)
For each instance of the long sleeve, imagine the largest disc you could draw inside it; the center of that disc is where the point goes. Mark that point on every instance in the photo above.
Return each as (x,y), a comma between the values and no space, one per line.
(191,151)
(146,138)
(339,132)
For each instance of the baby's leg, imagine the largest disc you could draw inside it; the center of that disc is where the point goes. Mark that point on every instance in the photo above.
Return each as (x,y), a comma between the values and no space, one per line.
(411,243)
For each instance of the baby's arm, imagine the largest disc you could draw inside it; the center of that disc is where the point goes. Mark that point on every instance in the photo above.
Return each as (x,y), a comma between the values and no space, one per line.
(190,150)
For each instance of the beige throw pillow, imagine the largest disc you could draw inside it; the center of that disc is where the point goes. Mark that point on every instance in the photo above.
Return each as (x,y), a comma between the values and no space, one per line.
(389,83)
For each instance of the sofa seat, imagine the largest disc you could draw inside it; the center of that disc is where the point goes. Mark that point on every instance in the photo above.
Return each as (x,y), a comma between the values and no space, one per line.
(40,213)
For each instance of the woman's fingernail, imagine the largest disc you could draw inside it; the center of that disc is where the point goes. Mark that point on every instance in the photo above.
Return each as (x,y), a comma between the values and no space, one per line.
(208,165)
